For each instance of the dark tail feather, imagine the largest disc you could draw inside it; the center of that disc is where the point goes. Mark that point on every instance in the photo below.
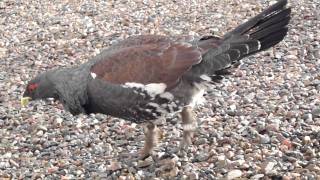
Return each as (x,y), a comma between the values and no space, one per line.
(270,41)
(257,34)
(268,28)
(281,16)
(259,19)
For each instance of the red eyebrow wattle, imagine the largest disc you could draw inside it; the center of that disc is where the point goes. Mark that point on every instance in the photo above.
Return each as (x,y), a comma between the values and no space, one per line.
(32,86)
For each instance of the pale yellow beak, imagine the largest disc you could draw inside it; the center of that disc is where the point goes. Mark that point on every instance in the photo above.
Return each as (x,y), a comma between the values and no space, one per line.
(24,101)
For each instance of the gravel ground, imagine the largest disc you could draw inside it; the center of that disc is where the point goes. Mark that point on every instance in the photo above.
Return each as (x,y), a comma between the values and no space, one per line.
(262,122)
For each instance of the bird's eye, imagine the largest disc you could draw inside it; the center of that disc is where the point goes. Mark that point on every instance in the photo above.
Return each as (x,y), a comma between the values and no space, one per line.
(32,87)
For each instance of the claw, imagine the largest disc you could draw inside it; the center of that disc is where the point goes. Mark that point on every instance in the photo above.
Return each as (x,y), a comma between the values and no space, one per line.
(144,156)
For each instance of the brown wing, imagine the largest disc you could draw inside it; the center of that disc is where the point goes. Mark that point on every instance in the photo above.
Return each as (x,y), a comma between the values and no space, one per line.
(147,60)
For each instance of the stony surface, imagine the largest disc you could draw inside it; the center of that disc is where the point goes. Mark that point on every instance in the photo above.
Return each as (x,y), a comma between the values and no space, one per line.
(262,122)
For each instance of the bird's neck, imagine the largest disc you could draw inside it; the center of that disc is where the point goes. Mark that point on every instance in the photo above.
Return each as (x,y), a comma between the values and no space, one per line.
(71,87)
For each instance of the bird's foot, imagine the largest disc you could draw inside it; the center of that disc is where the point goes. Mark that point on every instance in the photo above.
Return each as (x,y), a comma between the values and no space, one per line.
(145,153)
(152,135)
(132,158)
(186,140)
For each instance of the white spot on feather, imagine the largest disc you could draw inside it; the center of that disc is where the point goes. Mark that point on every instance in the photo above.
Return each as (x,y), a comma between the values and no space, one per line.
(247,48)
(152,89)
(197,98)
(158,107)
(154,104)
(167,95)
(174,105)
(93,75)
(205,77)
(259,45)
(170,107)
(133,85)
(155,88)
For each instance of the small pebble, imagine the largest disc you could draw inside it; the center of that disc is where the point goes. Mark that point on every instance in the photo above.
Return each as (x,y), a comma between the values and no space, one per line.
(234,174)
(268,166)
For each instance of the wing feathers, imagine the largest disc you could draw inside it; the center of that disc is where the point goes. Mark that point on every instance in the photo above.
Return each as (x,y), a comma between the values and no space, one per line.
(147,61)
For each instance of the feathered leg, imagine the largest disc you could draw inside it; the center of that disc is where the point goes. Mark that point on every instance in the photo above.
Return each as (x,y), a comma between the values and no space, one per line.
(189,125)
(152,136)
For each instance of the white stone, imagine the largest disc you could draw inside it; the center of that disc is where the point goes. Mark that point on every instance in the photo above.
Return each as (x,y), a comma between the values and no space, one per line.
(234,174)
(268,167)
(39,133)
(79,123)
(257,176)
(307,139)
(59,121)
(233,107)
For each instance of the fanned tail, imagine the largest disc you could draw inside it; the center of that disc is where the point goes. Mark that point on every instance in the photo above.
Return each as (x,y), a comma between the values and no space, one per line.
(257,34)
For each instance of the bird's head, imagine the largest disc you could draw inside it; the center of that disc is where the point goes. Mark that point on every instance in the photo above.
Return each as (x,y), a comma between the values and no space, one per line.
(40,87)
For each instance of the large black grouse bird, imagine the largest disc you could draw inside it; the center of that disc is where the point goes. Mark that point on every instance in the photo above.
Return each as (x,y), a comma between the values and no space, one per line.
(146,77)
